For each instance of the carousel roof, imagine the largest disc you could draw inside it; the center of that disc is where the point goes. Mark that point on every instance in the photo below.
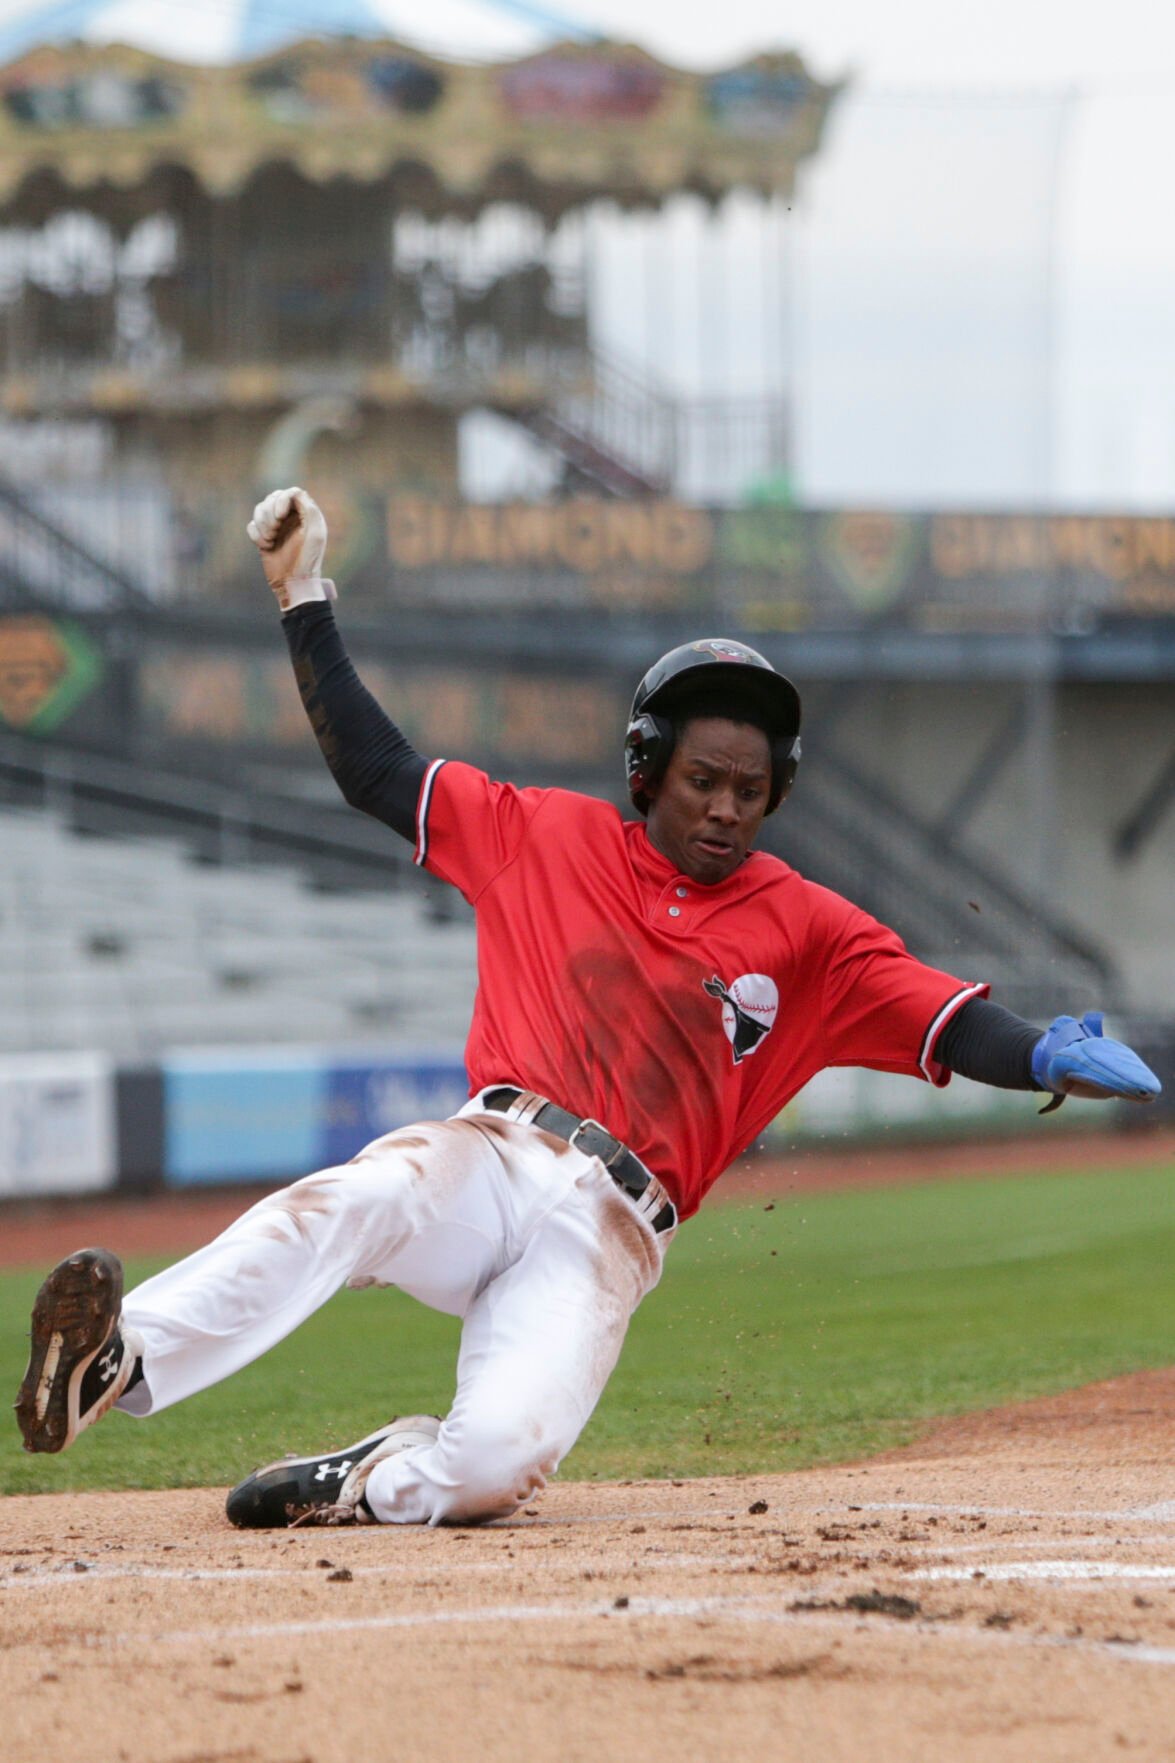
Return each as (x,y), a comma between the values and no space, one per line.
(553,127)
(239,30)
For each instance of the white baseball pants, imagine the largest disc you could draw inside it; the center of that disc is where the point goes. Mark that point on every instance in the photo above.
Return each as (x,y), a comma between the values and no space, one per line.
(521,1235)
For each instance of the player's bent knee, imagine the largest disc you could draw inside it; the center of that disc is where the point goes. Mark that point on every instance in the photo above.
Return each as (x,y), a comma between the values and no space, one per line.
(494,1471)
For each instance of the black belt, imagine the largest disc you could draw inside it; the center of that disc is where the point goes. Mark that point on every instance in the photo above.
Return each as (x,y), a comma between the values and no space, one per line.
(594,1140)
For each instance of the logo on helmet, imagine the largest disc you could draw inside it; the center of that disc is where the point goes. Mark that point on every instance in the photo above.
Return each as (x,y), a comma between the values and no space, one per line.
(722,651)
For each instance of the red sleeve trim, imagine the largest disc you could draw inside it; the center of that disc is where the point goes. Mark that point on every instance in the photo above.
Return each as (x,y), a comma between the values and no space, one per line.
(927,1064)
(422,807)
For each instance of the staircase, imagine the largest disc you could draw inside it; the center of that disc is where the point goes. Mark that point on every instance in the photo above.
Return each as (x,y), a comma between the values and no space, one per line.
(616,431)
(622,435)
(43,565)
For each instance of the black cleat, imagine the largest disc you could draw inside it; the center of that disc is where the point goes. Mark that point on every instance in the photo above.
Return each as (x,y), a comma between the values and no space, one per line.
(328,1488)
(80,1361)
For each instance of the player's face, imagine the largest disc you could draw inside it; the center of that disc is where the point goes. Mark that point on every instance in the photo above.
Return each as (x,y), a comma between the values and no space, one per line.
(706,811)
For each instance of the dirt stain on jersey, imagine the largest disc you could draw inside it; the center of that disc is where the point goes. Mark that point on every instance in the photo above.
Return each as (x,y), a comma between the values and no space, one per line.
(600,1044)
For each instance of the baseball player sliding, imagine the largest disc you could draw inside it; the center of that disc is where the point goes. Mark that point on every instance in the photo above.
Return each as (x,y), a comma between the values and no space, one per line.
(651,992)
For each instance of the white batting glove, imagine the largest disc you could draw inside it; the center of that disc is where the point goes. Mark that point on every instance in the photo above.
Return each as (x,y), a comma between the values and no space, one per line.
(289,530)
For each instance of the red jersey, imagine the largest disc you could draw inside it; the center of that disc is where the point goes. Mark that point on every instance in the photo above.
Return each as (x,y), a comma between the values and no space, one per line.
(683,1017)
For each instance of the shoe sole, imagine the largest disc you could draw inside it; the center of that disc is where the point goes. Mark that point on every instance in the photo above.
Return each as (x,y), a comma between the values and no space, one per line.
(75,1313)
(273,1497)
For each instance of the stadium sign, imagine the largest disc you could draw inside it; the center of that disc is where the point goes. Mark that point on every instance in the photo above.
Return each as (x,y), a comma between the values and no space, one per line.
(46,668)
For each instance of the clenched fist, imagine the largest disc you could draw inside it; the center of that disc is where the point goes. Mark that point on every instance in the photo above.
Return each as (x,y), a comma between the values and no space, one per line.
(289,530)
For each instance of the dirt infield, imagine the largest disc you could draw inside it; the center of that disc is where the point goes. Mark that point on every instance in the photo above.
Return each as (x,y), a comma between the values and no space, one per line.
(1004,1588)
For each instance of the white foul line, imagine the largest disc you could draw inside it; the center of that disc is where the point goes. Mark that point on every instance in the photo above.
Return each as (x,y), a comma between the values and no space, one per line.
(1161,1514)
(732,1609)
(81,1571)
(1085,1571)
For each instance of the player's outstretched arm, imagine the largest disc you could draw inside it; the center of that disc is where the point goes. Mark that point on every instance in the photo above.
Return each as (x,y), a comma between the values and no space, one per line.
(1074,1058)
(985,1042)
(375,766)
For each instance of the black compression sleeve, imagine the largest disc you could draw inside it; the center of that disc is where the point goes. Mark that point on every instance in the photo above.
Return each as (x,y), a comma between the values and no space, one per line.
(990,1044)
(375,766)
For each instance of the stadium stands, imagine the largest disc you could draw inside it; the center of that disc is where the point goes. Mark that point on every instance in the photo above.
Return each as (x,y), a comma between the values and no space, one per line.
(129,946)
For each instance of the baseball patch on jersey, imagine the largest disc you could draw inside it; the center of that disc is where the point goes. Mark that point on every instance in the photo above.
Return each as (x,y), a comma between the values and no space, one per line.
(749,1009)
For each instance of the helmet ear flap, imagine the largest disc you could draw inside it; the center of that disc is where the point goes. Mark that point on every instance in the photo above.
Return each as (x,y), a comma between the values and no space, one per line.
(785,762)
(648,747)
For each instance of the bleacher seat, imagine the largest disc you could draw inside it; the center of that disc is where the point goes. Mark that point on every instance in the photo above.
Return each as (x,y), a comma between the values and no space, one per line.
(128,946)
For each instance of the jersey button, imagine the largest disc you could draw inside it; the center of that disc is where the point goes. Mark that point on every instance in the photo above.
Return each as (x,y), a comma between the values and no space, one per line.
(682,893)
(675,912)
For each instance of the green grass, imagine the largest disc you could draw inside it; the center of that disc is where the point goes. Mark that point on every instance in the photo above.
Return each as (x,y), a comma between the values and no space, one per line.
(821,1328)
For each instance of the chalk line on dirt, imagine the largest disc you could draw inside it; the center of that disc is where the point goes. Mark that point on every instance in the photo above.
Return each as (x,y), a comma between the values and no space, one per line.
(1161,1514)
(1083,1571)
(714,1608)
(78,1573)
(1058,1569)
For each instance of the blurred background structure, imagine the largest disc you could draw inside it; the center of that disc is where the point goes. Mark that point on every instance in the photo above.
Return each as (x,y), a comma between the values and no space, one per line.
(585,350)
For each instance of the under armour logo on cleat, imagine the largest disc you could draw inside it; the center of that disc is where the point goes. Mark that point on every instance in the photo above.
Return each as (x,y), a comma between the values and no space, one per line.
(326,1470)
(108,1364)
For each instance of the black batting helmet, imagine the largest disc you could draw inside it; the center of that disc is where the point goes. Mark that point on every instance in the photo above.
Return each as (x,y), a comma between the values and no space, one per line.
(731,669)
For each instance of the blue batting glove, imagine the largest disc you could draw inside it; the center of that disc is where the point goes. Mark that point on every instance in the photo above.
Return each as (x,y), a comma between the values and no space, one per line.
(1073,1058)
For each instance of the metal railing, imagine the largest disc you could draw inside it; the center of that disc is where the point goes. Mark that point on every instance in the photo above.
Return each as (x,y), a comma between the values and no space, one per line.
(627,434)
(41,563)
(219,823)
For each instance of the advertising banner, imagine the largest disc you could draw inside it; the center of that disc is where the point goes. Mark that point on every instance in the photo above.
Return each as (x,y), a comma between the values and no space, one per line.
(762,565)
(225,698)
(57,1126)
(770,566)
(48,667)
(238,1115)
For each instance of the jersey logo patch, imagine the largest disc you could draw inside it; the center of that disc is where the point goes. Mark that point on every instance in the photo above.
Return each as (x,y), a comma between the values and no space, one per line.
(749,1009)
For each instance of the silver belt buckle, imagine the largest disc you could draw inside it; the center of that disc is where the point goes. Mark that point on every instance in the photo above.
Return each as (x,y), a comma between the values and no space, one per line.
(652,1198)
(600,1128)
